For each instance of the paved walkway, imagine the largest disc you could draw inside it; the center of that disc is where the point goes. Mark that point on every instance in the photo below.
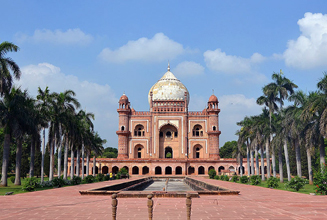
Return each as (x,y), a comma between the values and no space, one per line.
(252,203)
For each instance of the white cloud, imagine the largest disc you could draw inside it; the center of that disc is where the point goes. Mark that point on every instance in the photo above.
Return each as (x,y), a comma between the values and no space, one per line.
(158,48)
(188,68)
(309,50)
(233,109)
(99,99)
(71,36)
(221,62)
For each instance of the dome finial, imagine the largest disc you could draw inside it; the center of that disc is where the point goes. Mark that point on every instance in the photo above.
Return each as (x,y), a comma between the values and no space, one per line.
(168,67)
(213,91)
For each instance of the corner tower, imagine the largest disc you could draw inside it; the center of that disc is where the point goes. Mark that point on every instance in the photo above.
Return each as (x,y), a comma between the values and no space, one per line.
(213,130)
(123,132)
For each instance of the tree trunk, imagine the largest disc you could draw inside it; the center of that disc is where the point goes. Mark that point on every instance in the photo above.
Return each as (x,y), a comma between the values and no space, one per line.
(309,166)
(51,161)
(268,159)
(298,157)
(43,152)
(248,157)
(5,159)
(59,161)
(18,161)
(93,165)
(72,168)
(273,160)
(66,159)
(78,162)
(31,173)
(87,162)
(262,165)
(257,169)
(241,165)
(280,163)
(322,152)
(83,161)
(287,161)
(252,162)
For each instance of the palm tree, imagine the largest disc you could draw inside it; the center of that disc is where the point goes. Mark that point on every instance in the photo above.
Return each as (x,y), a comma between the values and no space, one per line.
(65,105)
(322,86)
(7,64)
(22,127)
(282,87)
(247,135)
(96,144)
(269,99)
(87,125)
(13,116)
(44,99)
(311,115)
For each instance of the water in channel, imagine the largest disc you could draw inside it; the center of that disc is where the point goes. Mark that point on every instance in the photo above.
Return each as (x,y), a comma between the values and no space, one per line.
(168,184)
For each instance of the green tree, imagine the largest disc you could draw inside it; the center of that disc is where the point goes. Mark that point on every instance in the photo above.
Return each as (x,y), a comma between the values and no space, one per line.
(13,116)
(7,64)
(110,152)
(227,150)
(269,99)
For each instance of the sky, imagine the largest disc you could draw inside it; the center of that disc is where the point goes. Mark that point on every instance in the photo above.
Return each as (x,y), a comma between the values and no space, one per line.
(102,49)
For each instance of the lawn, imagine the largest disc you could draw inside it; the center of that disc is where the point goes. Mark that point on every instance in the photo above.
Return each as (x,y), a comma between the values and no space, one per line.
(306,190)
(18,189)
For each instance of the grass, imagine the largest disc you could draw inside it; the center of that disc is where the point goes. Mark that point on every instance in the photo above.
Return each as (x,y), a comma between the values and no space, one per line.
(306,190)
(18,189)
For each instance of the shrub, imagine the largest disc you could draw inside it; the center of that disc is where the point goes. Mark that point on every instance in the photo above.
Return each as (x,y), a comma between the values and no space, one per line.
(30,184)
(216,177)
(235,178)
(244,179)
(12,179)
(46,184)
(89,179)
(273,182)
(100,177)
(225,178)
(255,180)
(296,183)
(76,180)
(123,171)
(320,180)
(106,177)
(58,182)
(212,173)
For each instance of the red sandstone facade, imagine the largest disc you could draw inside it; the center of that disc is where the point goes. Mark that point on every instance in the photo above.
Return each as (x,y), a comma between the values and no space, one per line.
(168,139)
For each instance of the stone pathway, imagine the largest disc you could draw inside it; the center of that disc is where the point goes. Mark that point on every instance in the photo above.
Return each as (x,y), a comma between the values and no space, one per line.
(252,203)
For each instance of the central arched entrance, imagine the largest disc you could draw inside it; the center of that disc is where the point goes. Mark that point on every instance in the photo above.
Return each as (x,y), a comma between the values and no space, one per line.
(169,141)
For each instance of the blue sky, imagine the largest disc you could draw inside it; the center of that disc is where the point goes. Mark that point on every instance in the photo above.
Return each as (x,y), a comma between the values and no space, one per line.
(101,49)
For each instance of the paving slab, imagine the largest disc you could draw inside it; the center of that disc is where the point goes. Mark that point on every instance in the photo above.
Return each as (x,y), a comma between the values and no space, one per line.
(252,203)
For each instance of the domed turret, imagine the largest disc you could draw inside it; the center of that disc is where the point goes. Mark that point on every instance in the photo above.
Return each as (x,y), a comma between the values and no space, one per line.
(213,99)
(168,88)
(123,102)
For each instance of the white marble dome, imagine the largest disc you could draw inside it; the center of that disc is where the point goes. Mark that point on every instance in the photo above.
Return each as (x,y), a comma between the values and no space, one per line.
(168,88)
